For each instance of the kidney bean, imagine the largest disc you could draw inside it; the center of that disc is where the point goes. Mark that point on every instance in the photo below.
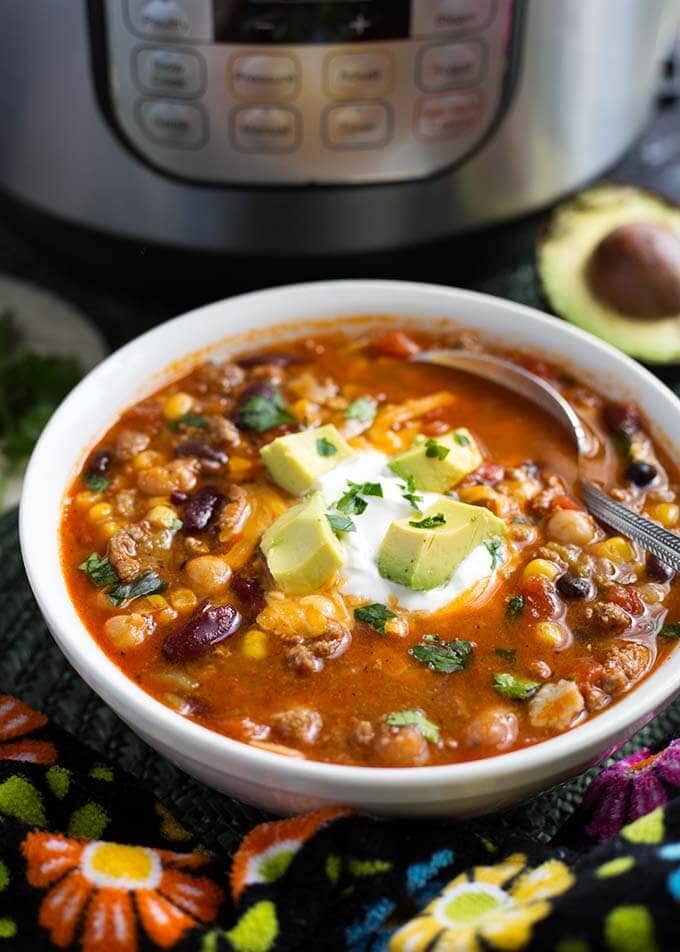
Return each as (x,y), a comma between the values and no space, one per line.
(658,570)
(201,509)
(208,454)
(208,626)
(622,417)
(641,473)
(277,359)
(573,586)
(100,462)
(250,593)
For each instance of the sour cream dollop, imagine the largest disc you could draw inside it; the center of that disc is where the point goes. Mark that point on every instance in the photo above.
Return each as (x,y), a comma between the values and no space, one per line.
(361,547)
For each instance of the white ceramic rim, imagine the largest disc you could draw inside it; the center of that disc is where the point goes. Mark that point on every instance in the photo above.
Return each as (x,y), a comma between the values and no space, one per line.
(206,745)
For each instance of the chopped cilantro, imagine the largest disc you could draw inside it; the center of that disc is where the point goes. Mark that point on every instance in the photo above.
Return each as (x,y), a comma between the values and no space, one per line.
(461,439)
(672,630)
(324,447)
(340,523)
(414,718)
(430,522)
(375,615)
(444,657)
(146,584)
(95,482)
(363,409)
(434,450)
(408,491)
(518,689)
(507,654)
(100,570)
(515,606)
(189,419)
(495,549)
(262,412)
(352,502)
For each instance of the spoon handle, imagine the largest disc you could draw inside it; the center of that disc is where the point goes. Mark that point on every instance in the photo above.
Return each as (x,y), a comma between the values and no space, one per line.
(657,540)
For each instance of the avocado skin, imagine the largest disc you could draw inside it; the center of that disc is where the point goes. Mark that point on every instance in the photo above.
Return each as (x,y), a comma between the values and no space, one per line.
(564,257)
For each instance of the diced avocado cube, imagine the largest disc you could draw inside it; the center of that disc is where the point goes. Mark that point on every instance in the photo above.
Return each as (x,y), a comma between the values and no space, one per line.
(425,557)
(301,549)
(297,461)
(437,465)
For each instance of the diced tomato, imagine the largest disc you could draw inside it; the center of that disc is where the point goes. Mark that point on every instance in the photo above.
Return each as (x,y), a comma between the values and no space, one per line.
(395,344)
(587,671)
(565,502)
(627,598)
(540,598)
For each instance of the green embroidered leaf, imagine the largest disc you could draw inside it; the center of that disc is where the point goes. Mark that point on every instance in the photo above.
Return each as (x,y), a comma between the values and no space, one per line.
(430,522)
(89,821)
(21,800)
(375,615)
(146,584)
(434,450)
(519,689)
(414,718)
(257,929)
(59,781)
(100,570)
(444,657)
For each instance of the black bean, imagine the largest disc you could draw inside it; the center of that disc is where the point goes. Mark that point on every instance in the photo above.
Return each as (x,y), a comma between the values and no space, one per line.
(207,627)
(657,570)
(177,498)
(573,586)
(250,593)
(278,359)
(641,473)
(203,451)
(100,462)
(201,509)
(622,418)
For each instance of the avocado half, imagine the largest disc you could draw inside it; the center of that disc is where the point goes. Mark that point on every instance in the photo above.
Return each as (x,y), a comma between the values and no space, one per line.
(609,261)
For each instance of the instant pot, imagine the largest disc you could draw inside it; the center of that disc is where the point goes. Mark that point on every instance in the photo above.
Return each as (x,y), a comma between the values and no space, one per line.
(291,127)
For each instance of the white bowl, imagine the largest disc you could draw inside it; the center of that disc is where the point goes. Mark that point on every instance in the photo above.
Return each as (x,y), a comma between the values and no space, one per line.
(278,783)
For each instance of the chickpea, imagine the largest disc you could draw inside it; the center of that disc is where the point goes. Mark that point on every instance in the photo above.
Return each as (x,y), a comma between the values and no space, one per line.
(571,527)
(128,631)
(209,574)
(400,746)
(493,727)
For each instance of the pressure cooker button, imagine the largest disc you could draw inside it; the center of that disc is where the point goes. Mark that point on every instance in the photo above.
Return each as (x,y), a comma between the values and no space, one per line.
(451,65)
(172,123)
(171,19)
(271,77)
(358,75)
(452,16)
(357,126)
(169,72)
(265,129)
(448,116)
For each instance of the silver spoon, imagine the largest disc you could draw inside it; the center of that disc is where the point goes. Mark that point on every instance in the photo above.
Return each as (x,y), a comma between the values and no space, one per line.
(657,540)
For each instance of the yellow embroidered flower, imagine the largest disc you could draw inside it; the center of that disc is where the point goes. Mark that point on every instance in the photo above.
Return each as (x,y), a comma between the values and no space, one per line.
(498,904)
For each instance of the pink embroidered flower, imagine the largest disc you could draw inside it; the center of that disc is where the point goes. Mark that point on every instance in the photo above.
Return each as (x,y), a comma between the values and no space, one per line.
(629,789)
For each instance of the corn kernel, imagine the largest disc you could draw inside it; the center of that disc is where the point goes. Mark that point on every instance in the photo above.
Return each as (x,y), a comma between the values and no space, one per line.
(550,634)
(617,550)
(239,467)
(177,406)
(86,499)
(254,644)
(667,513)
(183,599)
(146,459)
(108,529)
(544,567)
(100,512)
(475,494)
(162,517)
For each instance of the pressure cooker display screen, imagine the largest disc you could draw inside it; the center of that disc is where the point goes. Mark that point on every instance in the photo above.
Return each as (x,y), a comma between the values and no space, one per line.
(310,21)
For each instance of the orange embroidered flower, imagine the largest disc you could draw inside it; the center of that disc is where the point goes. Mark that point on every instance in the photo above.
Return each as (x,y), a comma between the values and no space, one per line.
(17,720)
(96,882)
(268,850)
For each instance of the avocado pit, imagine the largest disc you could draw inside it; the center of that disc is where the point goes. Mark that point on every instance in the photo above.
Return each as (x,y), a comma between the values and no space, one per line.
(635,269)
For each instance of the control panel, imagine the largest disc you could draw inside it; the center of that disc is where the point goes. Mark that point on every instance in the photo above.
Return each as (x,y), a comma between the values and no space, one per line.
(307,92)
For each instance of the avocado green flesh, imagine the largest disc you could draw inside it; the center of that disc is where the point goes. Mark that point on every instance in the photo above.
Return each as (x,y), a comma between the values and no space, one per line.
(564,253)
